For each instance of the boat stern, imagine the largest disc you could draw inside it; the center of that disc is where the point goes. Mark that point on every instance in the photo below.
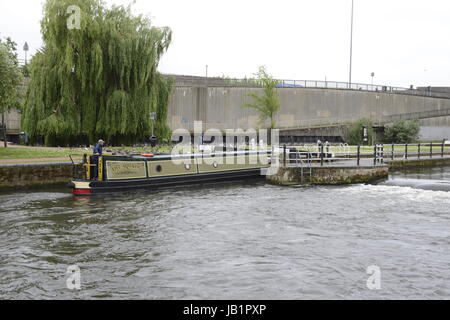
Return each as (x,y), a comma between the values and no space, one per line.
(81,188)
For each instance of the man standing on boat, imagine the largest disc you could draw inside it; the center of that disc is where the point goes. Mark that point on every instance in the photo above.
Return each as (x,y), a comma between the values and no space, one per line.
(98,152)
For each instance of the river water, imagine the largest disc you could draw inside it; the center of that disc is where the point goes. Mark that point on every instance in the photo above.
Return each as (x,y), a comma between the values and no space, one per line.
(232,241)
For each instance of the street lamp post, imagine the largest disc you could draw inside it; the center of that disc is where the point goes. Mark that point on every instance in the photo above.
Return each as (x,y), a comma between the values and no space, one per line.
(372,75)
(351,49)
(26,48)
(4,129)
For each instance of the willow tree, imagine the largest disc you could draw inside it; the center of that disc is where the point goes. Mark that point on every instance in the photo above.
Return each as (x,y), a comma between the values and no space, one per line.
(97,77)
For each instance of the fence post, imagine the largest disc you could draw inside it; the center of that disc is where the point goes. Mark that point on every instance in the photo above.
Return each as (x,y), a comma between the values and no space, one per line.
(375,155)
(358,156)
(321,154)
(284,155)
(393,154)
(418,149)
(442,149)
(406,151)
(431,150)
(382,153)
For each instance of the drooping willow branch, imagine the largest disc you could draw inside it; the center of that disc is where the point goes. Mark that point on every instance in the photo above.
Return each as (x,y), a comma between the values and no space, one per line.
(97,81)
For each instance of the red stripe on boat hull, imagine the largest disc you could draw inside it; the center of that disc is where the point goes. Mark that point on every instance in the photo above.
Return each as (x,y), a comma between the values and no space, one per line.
(82,192)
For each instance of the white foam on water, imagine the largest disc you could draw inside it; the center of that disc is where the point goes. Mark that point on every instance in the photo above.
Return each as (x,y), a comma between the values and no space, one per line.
(406,192)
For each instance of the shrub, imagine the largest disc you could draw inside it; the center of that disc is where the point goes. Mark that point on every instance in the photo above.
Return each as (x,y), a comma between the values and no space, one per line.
(404,131)
(355,134)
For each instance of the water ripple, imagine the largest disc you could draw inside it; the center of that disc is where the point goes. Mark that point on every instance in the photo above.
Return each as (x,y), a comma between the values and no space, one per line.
(233,241)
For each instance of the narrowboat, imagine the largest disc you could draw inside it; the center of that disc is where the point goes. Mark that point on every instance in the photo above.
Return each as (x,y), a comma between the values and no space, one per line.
(147,171)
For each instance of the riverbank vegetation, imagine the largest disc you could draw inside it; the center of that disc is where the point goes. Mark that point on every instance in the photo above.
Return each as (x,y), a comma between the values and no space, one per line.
(355,134)
(268,104)
(404,131)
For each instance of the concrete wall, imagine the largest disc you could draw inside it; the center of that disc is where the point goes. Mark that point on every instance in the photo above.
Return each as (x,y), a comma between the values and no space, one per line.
(13,117)
(222,107)
(328,175)
(13,121)
(435,129)
(422,163)
(33,175)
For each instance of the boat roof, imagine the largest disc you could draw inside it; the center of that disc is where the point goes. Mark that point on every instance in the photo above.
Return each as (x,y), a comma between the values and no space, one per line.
(159,157)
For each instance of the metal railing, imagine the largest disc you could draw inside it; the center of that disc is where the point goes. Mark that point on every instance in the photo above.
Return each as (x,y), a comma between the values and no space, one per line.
(344,155)
(319,84)
(418,150)
(321,154)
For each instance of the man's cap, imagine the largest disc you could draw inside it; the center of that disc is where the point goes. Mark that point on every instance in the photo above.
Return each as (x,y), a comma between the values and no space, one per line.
(100,141)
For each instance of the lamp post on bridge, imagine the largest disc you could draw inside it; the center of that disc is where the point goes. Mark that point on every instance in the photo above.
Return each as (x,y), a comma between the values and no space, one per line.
(372,75)
(26,48)
(351,50)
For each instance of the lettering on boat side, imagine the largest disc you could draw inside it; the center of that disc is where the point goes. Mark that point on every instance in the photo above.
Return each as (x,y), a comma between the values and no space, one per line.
(126,170)
(227,311)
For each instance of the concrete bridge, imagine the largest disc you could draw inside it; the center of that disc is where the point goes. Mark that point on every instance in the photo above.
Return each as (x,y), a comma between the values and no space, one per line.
(309,109)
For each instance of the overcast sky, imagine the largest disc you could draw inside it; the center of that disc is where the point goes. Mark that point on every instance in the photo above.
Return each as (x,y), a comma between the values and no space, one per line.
(403,41)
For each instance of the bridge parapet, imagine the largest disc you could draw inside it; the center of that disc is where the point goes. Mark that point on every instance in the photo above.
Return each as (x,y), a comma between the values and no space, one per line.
(195,81)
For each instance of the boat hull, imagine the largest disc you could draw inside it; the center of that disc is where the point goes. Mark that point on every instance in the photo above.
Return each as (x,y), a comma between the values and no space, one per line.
(86,188)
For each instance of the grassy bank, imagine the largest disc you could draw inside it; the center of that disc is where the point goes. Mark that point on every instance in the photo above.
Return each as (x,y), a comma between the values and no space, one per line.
(37,153)
(14,152)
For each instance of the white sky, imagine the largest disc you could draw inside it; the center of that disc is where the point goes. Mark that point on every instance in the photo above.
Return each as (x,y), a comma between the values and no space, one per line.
(403,41)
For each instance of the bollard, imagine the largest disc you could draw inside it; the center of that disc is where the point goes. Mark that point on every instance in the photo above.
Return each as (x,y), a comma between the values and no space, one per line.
(418,151)
(321,155)
(375,155)
(392,154)
(358,156)
(284,155)
(442,149)
(431,150)
(85,163)
(406,151)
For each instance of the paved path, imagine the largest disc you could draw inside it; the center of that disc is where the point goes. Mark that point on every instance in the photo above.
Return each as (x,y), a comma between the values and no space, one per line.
(40,160)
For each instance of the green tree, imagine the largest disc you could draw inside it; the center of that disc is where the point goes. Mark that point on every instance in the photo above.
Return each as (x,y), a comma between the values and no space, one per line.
(268,104)
(404,131)
(10,78)
(355,133)
(98,80)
